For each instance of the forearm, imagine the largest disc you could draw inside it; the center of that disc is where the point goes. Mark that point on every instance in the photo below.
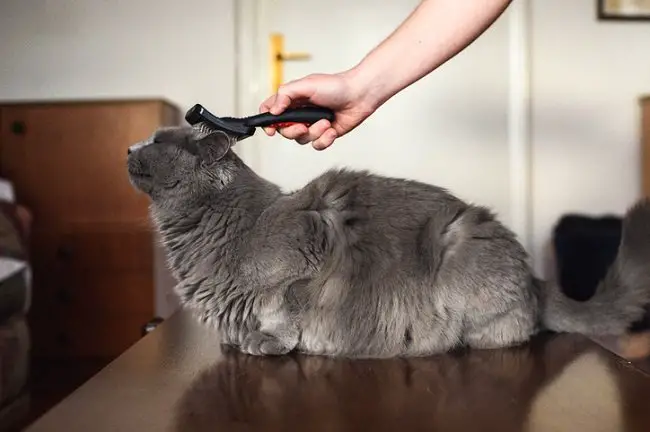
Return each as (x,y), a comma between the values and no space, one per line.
(436,31)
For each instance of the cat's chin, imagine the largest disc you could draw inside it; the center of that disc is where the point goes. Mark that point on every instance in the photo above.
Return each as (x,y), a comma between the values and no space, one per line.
(141,182)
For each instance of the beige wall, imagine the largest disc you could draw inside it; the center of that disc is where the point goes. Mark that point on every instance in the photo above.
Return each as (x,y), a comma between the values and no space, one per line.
(586,78)
(118,48)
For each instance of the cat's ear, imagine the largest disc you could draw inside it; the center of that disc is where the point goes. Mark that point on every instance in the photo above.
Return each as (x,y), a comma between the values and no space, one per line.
(212,145)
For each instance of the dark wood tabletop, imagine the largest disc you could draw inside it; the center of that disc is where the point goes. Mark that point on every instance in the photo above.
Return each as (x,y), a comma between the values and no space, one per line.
(179,379)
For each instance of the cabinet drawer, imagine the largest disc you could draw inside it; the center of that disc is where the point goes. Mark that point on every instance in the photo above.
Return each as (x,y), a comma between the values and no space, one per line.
(95,251)
(85,333)
(107,293)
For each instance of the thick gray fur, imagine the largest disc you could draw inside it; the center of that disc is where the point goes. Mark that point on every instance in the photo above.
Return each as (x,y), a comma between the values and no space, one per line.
(358,265)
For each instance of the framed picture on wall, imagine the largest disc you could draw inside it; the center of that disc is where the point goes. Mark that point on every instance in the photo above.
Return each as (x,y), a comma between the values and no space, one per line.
(624,10)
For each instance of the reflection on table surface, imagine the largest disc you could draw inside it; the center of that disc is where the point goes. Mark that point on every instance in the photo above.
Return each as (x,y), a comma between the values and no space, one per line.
(634,347)
(177,379)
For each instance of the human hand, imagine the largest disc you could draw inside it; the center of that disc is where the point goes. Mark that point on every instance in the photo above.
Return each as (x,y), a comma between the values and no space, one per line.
(338,92)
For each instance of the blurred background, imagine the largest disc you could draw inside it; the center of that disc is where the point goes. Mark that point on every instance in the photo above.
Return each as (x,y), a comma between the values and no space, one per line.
(541,119)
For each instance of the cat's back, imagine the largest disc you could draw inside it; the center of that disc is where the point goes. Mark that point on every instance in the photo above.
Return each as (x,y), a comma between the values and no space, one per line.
(376,196)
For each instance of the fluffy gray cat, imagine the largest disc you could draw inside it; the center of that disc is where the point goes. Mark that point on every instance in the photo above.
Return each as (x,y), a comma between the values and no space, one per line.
(355,264)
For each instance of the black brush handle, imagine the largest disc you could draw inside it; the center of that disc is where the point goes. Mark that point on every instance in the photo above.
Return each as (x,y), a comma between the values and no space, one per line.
(305,115)
(245,127)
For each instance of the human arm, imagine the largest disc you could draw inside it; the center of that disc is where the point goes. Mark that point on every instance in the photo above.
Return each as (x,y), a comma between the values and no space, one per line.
(433,33)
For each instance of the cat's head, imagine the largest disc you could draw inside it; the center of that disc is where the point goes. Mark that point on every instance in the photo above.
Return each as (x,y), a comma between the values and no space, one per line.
(178,164)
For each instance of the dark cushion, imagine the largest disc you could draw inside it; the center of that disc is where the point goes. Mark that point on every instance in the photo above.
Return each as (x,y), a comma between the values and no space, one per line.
(584,249)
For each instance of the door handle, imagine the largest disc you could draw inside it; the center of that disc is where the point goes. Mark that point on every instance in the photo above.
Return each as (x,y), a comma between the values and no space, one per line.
(278,57)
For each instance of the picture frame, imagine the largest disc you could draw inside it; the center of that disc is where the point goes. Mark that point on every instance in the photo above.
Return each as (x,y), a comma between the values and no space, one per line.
(623,10)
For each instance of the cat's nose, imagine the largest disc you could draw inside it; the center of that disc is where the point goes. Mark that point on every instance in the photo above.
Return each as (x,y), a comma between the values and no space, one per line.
(134,147)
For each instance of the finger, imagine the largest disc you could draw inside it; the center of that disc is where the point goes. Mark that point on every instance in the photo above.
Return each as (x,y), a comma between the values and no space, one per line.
(269,130)
(281,103)
(267,104)
(314,132)
(265,107)
(325,140)
(302,89)
(294,131)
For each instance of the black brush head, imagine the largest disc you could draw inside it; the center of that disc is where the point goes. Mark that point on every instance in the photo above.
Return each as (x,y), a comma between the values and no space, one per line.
(232,126)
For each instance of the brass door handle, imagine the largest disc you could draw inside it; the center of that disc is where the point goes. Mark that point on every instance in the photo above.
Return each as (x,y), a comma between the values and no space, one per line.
(278,57)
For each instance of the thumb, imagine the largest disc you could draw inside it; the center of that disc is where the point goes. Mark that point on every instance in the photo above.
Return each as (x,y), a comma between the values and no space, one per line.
(282,102)
(292,92)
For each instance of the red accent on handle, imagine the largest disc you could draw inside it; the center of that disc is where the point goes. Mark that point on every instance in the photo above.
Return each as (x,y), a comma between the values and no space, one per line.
(285,124)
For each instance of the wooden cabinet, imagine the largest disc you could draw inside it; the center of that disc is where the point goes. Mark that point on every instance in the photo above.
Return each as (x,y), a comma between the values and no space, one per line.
(645,145)
(92,245)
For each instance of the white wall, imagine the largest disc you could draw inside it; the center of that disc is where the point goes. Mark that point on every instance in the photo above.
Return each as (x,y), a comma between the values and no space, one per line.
(587,78)
(65,49)
(72,49)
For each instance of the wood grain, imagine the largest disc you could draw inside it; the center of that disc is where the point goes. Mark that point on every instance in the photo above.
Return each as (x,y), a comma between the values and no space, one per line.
(92,244)
(179,379)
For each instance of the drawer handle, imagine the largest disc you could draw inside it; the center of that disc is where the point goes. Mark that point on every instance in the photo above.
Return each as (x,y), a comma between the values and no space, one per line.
(18,127)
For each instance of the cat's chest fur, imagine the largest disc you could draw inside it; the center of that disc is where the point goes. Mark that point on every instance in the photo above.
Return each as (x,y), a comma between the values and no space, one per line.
(202,246)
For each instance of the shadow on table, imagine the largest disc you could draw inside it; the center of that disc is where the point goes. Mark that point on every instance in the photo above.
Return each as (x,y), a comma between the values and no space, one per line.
(557,382)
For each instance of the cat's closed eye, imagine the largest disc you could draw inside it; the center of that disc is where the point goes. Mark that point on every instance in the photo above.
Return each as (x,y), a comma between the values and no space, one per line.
(170,184)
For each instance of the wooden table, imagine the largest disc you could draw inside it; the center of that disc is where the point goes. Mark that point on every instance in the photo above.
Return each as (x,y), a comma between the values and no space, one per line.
(179,379)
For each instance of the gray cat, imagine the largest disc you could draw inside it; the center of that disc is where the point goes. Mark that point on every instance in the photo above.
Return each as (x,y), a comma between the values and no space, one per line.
(355,264)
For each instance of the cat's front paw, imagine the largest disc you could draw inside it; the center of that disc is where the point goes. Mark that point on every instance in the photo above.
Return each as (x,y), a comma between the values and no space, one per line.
(259,343)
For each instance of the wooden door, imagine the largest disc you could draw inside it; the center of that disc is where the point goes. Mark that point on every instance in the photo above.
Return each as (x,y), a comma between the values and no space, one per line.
(92,245)
(645,146)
